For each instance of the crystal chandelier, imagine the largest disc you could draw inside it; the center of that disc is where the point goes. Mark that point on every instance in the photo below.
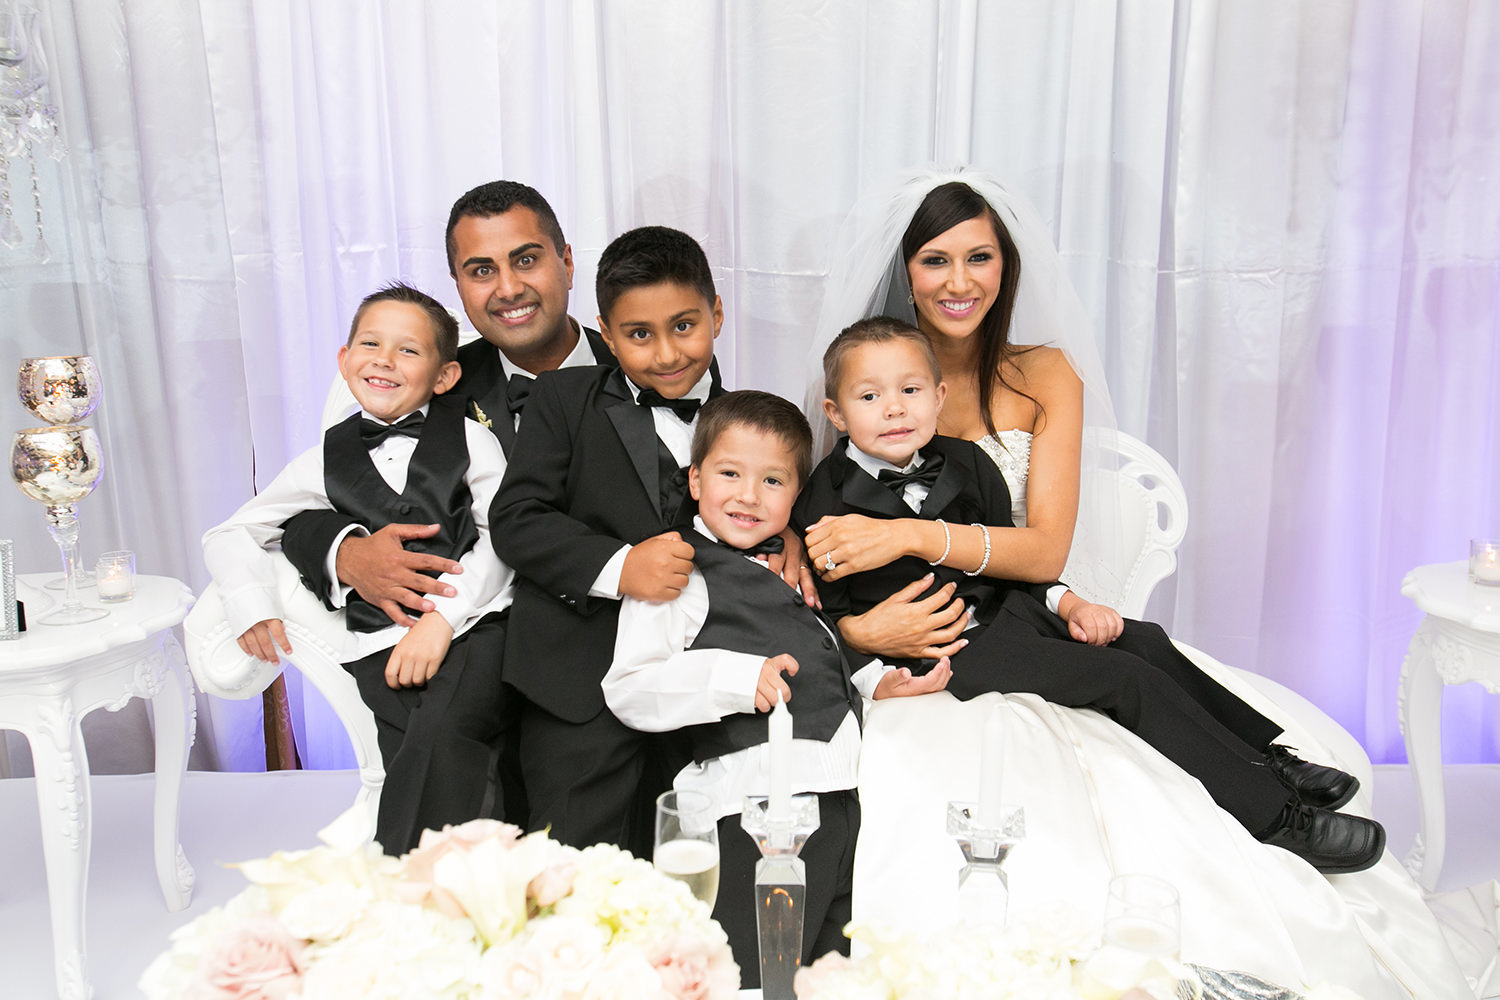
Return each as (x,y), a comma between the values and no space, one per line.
(28,124)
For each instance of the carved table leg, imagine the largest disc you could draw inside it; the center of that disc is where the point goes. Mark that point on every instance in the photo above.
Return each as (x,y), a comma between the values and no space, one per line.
(62,791)
(1421,725)
(176,722)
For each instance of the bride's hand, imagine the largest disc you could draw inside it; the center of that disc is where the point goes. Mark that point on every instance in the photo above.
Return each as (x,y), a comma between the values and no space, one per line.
(909,625)
(855,542)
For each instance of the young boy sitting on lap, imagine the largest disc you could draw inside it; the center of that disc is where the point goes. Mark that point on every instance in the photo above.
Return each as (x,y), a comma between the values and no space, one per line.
(409,455)
(713,662)
(884,392)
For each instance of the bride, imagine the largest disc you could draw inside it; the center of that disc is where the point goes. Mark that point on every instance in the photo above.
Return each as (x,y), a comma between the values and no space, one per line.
(1099,802)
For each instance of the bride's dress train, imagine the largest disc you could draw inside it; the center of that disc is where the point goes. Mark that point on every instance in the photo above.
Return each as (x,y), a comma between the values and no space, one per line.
(1100,802)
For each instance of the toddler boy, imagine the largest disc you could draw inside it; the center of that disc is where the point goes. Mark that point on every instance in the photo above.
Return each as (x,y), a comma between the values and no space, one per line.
(884,392)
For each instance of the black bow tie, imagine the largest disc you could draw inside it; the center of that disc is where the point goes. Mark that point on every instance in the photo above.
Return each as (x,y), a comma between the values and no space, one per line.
(685,409)
(770,546)
(517,391)
(372,432)
(926,475)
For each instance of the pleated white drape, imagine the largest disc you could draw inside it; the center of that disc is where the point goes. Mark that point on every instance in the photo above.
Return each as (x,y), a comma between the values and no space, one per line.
(1283,216)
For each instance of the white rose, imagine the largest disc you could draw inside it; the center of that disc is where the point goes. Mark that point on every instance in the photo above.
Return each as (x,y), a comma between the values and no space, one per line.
(325,912)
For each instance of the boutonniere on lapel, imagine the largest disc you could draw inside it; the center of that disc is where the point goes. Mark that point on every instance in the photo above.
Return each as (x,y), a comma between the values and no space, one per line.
(484,421)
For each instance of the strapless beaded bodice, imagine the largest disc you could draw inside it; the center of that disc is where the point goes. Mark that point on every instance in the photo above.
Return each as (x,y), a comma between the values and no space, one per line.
(1011,452)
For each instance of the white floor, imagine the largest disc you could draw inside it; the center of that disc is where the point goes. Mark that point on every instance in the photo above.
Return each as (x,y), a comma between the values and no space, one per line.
(230,817)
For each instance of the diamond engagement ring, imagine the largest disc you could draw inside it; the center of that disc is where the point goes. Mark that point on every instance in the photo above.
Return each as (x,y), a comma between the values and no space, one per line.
(828,562)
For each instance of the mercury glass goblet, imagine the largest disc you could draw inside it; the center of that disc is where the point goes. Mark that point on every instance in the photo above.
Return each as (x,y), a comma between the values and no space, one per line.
(58,466)
(60,390)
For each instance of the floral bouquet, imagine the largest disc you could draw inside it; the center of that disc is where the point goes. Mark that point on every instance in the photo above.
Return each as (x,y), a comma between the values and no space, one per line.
(476,912)
(1045,960)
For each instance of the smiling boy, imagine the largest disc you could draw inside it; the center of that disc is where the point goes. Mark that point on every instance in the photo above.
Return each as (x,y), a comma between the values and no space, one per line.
(596,484)
(734,642)
(435,687)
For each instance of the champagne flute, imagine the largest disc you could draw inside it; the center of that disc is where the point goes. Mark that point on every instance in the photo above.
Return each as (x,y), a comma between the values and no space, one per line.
(687,842)
(1142,925)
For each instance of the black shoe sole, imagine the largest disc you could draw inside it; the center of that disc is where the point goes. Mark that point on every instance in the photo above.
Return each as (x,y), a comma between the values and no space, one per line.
(1357,866)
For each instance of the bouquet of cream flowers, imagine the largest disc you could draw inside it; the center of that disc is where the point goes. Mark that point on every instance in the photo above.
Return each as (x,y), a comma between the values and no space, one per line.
(1045,959)
(476,912)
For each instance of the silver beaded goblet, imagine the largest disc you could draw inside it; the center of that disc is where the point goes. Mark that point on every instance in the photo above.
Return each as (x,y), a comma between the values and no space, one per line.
(60,390)
(58,466)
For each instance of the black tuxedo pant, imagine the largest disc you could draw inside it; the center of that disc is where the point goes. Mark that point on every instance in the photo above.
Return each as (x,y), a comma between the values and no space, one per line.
(1142,682)
(829,856)
(595,781)
(441,742)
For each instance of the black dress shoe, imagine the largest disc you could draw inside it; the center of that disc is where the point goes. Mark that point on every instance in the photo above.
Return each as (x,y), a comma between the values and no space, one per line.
(1314,784)
(1331,842)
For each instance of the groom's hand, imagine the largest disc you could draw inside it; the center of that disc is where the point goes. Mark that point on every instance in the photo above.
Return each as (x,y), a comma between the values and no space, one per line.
(381,571)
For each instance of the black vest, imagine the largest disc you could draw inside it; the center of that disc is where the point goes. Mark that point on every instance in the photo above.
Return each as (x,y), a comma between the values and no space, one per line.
(435,492)
(750,610)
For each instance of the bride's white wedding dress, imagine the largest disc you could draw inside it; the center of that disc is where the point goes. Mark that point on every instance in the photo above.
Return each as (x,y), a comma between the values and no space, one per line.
(1099,802)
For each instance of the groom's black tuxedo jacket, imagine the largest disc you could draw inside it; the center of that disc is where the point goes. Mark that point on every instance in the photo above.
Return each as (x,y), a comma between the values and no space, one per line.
(582,481)
(308,536)
(969,490)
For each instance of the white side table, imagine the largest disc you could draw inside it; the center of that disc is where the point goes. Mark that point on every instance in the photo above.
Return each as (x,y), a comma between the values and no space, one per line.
(50,679)
(1458,642)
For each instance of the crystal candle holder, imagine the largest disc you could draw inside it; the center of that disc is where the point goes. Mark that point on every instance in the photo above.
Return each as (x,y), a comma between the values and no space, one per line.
(114,576)
(780,887)
(1484,562)
(982,884)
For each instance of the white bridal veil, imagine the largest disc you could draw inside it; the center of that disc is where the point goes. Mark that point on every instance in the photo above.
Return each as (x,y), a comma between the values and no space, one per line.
(868,278)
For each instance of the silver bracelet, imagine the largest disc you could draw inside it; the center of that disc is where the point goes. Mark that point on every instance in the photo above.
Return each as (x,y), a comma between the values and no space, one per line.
(947,544)
(986,533)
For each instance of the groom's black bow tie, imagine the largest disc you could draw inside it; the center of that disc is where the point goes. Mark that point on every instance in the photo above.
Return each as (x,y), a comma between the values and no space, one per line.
(685,409)
(372,432)
(926,475)
(517,391)
(770,546)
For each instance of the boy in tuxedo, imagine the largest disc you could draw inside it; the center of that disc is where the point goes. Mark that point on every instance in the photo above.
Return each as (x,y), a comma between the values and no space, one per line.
(884,392)
(736,639)
(597,481)
(410,453)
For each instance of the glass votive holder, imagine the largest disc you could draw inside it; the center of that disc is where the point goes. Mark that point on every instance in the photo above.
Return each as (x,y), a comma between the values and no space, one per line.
(1484,562)
(115,576)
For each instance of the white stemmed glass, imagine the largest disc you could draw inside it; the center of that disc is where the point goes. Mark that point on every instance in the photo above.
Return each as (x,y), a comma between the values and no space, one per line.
(687,842)
(1142,924)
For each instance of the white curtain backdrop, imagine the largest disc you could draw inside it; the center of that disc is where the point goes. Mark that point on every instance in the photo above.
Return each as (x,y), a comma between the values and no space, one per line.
(1283,217)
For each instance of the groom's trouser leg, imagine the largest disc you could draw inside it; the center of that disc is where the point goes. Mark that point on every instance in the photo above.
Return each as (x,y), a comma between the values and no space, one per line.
(1021,652)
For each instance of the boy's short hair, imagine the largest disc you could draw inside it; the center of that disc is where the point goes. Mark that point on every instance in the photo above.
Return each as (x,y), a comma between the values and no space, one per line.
(651,255)
(874,330)
(497,198)
(763,412)
(444,326)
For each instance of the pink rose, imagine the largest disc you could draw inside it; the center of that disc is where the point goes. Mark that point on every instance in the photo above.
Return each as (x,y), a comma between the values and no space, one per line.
(418,882)
(811,979)
(555,882)
(255,960)
(693,968)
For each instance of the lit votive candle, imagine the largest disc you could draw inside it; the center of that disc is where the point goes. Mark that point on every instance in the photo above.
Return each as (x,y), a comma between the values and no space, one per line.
(1484,561)
(115,576)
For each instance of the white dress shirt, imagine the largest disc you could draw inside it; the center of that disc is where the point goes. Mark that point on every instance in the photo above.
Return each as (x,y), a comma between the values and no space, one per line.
(237,556)
(656,683)
(677,435)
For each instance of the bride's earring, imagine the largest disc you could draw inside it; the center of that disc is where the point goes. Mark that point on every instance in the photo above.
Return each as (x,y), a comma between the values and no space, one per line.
(911,298)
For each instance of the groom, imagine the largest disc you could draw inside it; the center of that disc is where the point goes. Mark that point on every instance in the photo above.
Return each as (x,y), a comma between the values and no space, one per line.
(513,270)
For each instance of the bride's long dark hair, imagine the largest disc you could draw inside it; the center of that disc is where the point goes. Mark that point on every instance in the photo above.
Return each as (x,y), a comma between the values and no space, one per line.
(946,206)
